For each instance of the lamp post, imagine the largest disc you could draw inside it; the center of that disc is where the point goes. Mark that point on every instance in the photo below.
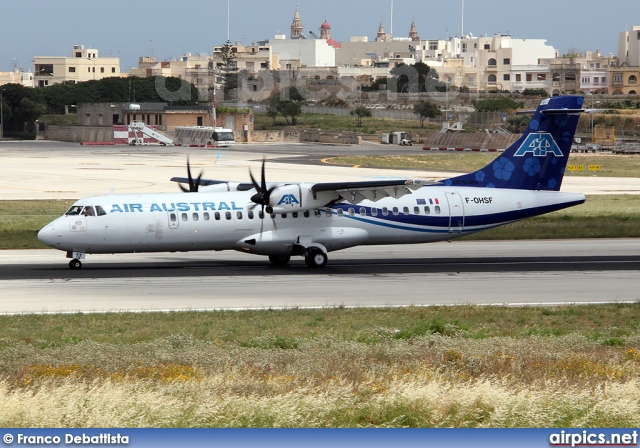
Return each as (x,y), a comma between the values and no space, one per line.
(1,119)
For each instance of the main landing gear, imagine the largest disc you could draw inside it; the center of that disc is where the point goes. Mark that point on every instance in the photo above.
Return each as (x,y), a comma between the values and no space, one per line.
(75,264)
(314,257)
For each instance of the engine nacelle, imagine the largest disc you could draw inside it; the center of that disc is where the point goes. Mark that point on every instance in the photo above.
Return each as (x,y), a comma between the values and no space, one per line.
(295,197)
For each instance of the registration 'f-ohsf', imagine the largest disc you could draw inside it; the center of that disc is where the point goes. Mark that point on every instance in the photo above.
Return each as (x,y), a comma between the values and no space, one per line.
(283,220)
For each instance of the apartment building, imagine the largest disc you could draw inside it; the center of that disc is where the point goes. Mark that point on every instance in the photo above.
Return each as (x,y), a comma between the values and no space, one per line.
(84,64)
(16,76)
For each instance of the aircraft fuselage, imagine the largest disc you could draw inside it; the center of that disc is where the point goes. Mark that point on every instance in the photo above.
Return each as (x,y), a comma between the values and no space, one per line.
(229,220)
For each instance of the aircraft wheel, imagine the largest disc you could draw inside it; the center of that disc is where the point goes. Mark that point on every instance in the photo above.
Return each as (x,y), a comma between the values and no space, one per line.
(279,260)
(75,264)
(316,259)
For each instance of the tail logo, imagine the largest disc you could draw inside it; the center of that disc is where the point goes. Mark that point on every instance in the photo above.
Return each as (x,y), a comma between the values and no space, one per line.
(539,145)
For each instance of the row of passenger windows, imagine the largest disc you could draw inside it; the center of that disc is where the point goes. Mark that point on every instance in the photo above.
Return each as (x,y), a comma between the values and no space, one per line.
(384,211)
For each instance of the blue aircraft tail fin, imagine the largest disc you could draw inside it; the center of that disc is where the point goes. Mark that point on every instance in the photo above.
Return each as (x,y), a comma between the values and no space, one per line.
(538,159)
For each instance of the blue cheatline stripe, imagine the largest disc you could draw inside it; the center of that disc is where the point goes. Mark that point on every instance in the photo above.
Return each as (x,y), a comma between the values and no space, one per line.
(471,223)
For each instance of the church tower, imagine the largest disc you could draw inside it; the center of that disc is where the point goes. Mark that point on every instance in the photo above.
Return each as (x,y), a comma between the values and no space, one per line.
(413,33)
(296,26)
(382,36)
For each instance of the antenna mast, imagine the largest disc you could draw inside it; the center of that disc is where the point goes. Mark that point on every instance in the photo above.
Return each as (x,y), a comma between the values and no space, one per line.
(462,24)
(391,30)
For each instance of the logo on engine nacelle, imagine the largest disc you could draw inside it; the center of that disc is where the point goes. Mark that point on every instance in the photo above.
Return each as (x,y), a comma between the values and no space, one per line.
(288,199)
(539,145)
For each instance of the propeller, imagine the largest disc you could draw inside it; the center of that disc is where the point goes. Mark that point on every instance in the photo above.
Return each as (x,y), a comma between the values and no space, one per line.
(263,194)
(193,186)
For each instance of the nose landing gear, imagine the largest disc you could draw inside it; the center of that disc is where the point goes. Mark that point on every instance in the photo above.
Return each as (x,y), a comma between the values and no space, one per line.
(75,263)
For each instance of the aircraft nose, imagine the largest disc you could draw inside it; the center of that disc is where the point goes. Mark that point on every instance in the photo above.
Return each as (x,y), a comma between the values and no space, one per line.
(49,236)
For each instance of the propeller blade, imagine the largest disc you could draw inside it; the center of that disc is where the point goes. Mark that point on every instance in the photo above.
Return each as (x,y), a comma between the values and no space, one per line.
(193,185)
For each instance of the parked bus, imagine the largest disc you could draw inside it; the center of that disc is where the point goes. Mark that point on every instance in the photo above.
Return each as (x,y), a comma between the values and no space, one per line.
(204,136)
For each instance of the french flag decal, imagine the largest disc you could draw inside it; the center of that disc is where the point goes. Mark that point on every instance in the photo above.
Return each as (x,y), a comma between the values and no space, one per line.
(431,201)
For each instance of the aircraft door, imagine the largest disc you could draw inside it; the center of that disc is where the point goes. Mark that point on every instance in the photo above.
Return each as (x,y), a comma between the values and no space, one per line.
(456,212)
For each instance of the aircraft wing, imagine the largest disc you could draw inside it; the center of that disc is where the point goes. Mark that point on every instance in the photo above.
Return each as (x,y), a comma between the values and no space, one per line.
(239,186)
(202,182)
(355,192)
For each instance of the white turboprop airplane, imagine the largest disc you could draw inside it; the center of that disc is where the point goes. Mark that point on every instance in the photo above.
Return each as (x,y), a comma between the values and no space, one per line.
(312,219)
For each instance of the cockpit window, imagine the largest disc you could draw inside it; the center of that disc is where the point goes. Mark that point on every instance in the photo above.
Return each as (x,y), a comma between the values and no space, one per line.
(74,210)
(88,210)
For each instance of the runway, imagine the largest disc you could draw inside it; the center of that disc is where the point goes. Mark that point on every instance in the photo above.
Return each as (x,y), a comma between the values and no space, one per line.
(488,272)
(501,272)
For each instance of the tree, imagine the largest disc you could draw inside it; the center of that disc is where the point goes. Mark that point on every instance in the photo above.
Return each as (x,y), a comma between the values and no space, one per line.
(229,67)
(273,114)
(572,53)
(286,108)
(291,109)
(29,111)
(360,112)
(418,77)
(424,110)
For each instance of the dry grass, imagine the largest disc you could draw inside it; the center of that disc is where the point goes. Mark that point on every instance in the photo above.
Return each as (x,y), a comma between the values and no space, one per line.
(441,367)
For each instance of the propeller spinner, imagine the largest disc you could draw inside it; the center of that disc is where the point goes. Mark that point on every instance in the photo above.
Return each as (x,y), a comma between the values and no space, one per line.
(263,194)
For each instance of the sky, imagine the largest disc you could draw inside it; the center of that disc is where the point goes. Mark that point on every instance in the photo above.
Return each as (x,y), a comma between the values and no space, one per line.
(130,29)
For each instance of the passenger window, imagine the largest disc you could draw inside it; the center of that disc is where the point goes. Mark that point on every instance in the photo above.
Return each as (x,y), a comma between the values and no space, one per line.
(363,211)
(294,214)
(205,215)
(173,217)
(427,210)
(216,215)
(195,217)
(184,217)
(317,212)
(416,210)
(284,215)
(351,211)
(340,212)
(250,214)
(396,212)
(88,211)
(328,212)
(261,214)
(385,211)
(437,209)
(405,210)
(227,215)
(306,213)
(374,211)
(239,216)
(100,211)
